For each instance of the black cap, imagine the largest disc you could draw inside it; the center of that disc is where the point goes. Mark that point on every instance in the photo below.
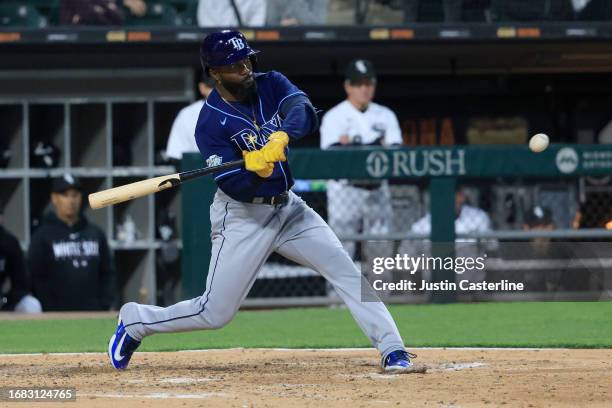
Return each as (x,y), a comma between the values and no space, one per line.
(65,182)
(538,216)
(360,69)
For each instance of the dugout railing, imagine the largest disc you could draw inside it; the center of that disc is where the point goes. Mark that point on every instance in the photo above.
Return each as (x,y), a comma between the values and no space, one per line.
(506,182)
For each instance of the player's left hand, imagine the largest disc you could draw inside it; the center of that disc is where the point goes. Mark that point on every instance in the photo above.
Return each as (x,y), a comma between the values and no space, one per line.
(254,161)
(274,150)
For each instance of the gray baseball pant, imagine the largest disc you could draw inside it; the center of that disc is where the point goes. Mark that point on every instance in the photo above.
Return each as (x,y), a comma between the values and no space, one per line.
(243,237)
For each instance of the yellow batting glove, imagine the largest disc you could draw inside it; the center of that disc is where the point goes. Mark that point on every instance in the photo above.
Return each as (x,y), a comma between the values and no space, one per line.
(254,161)
(274,150)
(267,172)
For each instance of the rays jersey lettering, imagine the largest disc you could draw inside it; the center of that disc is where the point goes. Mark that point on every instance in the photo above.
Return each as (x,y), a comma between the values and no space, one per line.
(249,139)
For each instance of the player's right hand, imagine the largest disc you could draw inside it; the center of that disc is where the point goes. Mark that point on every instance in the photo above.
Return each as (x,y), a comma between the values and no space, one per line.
(255,161)
(274,149)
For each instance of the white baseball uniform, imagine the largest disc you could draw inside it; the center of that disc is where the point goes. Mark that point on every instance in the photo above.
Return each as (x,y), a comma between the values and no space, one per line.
(182,134)
(355,205)
(470,220)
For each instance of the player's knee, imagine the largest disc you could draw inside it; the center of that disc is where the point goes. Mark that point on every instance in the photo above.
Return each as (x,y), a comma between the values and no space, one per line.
(219,319)
(127,308)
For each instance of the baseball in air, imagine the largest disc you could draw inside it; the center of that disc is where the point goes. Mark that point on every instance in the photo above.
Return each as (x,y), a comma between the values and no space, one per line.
(538,143)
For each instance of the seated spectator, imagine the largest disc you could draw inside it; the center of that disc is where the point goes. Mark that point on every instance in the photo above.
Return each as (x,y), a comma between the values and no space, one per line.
(70,261)
(182,133)
(296,12)
(538,219)
(468,219)
(231,13)
(99,12)
(12,269)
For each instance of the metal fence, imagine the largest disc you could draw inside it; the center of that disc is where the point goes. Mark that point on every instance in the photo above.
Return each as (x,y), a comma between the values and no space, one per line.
(536,221)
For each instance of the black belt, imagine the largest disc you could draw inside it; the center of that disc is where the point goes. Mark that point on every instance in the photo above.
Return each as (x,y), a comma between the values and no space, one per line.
(280,199)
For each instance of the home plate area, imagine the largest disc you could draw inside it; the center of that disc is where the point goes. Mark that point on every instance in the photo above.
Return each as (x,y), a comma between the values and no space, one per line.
(315,378)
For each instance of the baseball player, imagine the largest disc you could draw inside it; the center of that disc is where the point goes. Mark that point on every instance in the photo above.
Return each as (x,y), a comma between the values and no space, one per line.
(69,257)
(255,115)
(358,121)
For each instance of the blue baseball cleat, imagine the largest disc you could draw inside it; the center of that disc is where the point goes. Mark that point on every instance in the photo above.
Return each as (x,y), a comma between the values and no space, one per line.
(397,361)
(121,347)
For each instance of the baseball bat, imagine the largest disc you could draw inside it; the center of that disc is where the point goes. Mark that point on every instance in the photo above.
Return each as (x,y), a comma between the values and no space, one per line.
(141,188)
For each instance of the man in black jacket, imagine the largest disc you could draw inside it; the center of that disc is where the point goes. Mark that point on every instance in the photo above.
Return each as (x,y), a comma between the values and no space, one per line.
(70,260)
(12,269)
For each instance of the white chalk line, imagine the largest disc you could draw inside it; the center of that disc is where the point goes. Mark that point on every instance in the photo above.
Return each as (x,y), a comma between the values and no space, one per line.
(179,380)
(430,368)
(332,350)
(155,395)
(457,366)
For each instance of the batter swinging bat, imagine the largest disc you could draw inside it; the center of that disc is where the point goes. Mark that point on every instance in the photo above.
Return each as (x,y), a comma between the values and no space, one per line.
(141,188)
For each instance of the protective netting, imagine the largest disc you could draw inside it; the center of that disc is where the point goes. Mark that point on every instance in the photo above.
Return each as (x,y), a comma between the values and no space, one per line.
(549,235)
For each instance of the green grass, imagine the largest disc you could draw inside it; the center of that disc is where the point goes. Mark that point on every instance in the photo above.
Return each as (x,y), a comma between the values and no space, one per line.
(529,324)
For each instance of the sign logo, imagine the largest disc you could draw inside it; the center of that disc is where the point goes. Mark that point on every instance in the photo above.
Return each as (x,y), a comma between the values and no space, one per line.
(377,164)
(237,43)
(214,160)
(416,163)
(567,160)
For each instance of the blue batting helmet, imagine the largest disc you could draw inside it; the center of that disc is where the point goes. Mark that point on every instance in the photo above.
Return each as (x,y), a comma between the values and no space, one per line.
(224,48)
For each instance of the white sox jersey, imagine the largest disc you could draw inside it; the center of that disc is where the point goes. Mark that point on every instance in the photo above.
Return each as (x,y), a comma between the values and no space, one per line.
(471,219)
(377,123)
(349,207)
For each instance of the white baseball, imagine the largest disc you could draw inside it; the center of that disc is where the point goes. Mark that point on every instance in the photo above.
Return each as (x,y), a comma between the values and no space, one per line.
(538,143)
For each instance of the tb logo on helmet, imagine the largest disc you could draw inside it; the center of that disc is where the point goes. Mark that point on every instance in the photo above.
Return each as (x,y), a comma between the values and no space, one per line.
(237,43)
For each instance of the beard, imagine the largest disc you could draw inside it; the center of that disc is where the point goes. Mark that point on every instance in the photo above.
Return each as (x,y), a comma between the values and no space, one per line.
(241,91)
